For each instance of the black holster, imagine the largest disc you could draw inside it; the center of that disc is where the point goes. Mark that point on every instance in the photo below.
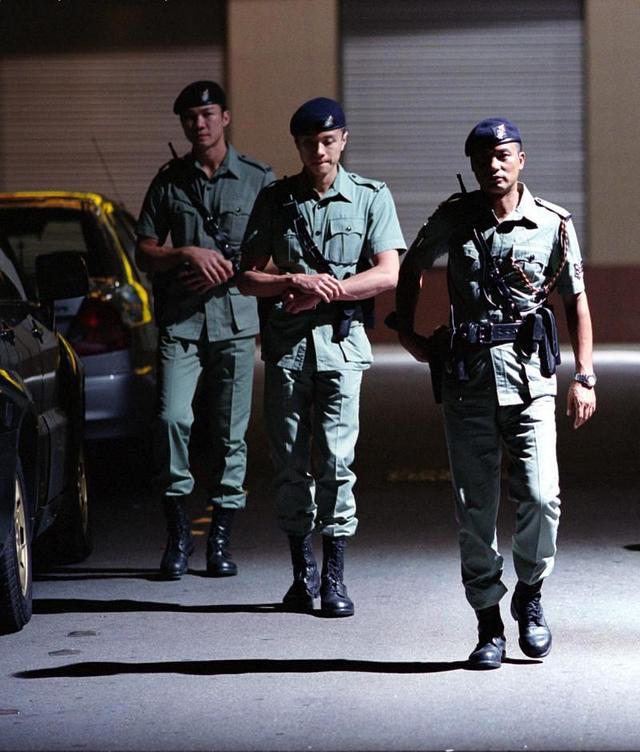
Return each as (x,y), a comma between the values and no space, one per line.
(440,358)
(539,332)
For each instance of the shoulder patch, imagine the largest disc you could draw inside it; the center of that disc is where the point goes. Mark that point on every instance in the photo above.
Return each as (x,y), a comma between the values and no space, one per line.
(375,185)
(562,213)
(254,162)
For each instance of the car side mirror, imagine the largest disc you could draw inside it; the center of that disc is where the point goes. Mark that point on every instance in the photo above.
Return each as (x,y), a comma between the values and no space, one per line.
(61,275)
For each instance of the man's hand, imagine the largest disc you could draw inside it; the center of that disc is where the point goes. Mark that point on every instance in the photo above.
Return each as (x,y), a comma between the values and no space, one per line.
(415,344)
(207,268)
(324,286)
(296,302)
(581,403)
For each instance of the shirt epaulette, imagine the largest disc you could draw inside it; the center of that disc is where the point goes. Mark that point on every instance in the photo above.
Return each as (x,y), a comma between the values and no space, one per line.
(562,213)
(172,164)
(452,202)
(375,185)
(254,162)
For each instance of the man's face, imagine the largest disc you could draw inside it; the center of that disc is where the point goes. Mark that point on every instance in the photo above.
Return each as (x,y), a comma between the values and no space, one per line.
(320,152)
(204,126)
(497,169)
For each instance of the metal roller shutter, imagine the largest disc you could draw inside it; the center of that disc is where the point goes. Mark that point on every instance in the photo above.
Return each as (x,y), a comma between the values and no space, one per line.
(99,118)
(419,74)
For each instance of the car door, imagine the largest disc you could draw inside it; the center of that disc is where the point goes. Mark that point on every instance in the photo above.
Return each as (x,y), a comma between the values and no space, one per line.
(31,350)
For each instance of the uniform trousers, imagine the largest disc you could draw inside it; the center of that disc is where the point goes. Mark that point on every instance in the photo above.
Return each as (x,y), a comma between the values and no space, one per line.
(312,421)
(226,368)
(477,429)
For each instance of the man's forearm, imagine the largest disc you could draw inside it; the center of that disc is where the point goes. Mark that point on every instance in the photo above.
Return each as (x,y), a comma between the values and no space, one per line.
(580,330)
(367,284)
(152,256)
(407,293)
(262,284)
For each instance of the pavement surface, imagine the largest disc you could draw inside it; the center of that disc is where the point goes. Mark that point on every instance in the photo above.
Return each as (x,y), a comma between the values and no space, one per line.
(116,659)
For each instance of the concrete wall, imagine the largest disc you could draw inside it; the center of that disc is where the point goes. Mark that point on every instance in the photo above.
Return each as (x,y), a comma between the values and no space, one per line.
(612,31)
(279,54)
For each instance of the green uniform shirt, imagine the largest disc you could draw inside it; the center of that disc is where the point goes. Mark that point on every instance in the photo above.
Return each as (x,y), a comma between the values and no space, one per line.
(352,222)
(527,245)
(229,195)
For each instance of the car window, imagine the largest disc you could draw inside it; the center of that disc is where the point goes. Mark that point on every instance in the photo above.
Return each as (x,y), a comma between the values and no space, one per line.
(33,231)
(125,231)
(10,285)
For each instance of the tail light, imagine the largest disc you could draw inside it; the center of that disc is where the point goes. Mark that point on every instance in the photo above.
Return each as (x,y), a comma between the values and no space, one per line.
(98,328)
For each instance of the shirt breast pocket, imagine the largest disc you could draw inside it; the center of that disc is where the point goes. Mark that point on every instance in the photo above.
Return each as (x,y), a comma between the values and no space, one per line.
(183,222)
(287,252)
(465,265)
(529,264)
(233,220)
(344,241)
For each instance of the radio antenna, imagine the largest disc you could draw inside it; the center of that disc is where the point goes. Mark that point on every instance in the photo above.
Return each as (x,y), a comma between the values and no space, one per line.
(105,167)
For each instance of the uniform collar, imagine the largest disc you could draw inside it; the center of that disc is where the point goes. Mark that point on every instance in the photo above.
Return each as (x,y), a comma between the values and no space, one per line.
(341,188)
(230,164)
(525,212)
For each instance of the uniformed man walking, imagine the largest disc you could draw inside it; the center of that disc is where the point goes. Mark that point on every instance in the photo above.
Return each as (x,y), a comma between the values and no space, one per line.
(206,328)
(334,238)
(506,252)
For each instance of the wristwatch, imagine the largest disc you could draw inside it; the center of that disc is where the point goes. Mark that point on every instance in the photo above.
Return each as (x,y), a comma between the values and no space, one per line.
(586,379)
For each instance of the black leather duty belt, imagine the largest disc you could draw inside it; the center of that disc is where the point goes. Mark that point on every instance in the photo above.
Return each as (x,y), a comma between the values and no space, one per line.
(474,333)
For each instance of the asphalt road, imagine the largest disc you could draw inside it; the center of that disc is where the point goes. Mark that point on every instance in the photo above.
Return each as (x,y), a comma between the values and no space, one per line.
(116,659)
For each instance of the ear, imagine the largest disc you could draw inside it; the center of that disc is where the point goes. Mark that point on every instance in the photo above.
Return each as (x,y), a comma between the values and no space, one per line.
(226,118)
(523,158)
(345,137)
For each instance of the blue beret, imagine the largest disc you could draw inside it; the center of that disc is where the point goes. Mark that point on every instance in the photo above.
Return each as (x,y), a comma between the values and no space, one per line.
(199,94)
(317,115)
(491,132)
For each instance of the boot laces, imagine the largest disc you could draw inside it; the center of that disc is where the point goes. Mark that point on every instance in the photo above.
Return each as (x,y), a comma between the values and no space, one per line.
(533,611)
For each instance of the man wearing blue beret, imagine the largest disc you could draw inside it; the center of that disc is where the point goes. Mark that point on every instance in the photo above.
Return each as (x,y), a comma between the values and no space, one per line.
(206,328)
(331,240)
(506,252)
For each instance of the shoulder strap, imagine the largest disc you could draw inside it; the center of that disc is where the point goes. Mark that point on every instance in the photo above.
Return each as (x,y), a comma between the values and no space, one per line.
(495,278)
(312,254)
(211,227)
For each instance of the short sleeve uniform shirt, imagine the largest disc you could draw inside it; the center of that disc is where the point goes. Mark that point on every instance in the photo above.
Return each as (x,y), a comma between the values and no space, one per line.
(351,223)
(229,194)
(527,249)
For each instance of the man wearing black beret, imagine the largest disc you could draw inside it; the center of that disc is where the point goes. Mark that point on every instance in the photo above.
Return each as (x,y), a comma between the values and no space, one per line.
(207,329)
(333,238)
(506,252)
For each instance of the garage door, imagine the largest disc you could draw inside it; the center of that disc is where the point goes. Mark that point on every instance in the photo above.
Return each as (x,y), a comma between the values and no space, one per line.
(419,75)
(90,109)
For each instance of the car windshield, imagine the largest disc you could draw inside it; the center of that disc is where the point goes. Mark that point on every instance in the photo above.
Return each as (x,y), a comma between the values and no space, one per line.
(32,231)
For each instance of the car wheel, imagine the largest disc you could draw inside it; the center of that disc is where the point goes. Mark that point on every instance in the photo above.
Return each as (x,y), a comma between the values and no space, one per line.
(16,565)
(69,539)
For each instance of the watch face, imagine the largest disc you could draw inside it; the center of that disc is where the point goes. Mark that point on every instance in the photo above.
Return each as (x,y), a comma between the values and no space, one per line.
(587,379)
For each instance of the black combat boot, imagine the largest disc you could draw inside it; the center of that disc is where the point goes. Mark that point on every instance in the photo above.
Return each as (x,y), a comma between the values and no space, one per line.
(526,609)
(490,650)
(180,545)
(334,600)
(306,579)
(219,562)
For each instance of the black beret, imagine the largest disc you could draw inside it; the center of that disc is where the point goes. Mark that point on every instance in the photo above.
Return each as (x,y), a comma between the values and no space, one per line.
(317,115)
(491,132)
(199,94)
